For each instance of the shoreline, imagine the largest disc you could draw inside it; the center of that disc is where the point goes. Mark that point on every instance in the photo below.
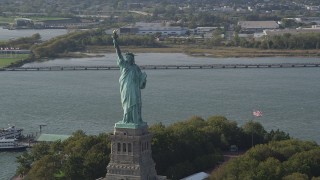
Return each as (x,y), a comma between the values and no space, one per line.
(216,52)
(190,50)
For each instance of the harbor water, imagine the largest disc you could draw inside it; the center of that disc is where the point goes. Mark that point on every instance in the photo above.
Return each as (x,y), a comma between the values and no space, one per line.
(6,34)
(67,101)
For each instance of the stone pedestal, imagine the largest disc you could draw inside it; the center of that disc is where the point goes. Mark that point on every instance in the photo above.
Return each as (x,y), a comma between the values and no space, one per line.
(130,157)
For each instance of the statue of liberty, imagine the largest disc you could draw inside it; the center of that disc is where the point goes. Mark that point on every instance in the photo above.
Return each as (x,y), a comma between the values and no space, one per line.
(132,80)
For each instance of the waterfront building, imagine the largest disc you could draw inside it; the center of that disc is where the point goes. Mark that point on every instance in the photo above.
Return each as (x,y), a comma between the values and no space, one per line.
(257,26)
(152,28)
(291,31)
(23,23)
(204,30)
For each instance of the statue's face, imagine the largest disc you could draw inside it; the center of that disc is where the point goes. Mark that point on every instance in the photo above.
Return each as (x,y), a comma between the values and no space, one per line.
(130,58)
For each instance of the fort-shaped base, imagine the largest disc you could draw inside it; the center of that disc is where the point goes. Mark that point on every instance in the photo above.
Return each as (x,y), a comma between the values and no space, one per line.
(130,157)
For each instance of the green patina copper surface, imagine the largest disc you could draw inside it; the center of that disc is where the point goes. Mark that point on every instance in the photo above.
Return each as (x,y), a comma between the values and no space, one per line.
(132,80)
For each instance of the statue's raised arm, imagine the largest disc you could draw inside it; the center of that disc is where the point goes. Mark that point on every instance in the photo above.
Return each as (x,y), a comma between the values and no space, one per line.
(116,44)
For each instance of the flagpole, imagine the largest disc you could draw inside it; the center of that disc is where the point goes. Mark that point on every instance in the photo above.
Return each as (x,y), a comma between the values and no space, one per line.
(255,114)
(251,138)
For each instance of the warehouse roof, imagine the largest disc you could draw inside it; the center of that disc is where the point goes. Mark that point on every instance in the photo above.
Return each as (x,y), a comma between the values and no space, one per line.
(258,24)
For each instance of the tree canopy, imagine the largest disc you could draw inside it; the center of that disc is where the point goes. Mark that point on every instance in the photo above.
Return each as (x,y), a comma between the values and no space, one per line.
(288,159)
(79,157)
(179,150)
(78,41)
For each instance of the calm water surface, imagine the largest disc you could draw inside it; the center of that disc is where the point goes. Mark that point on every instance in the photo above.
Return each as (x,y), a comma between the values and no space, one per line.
(90,100)
(45,34)
(166,59)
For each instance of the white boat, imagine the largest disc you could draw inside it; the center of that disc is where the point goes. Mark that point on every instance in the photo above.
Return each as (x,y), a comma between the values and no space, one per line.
(11,145)
(10,133)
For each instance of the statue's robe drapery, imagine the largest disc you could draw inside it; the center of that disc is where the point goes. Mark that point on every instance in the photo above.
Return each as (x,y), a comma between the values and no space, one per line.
(131,81)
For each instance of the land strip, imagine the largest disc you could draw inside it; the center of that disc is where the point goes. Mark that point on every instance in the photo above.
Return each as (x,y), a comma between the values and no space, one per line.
(216,52)
(6,60)
(223,52)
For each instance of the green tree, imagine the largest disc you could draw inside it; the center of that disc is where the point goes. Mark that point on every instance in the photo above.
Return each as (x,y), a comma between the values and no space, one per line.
(289,23)
(24,163)
(272,161)
(255,133)
(216,37)
(180,170)
(277,135)
(269,169)
(44,168)
(305,162)
(236,39)
(296,176)
(79,157)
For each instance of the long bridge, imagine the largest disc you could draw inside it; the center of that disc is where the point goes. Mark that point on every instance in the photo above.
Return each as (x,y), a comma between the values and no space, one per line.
(163,67)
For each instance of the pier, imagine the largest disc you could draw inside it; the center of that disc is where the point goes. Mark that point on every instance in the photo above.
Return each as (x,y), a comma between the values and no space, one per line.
(162,67)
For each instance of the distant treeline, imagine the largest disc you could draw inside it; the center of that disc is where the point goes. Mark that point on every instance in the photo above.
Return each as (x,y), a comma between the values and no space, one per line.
(285,41)
(78,41)
(178,150)
(21,43)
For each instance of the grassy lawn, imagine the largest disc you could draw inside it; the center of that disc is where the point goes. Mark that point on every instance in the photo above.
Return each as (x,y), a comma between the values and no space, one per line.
(7,60)
(4,20)
(251,52)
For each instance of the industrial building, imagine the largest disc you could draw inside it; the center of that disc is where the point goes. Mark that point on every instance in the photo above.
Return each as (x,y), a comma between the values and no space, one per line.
(153,28)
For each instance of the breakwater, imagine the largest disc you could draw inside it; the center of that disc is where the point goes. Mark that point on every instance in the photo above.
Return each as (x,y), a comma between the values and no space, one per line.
(150,67)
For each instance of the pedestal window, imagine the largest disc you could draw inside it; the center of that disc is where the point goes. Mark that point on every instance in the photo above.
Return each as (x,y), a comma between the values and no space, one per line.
(124,146)
(129,148)
(119,147)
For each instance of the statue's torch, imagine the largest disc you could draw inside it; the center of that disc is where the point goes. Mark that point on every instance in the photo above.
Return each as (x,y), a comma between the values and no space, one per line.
(114,34)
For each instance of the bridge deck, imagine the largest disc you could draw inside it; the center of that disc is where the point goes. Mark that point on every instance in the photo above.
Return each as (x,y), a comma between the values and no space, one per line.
(161,67)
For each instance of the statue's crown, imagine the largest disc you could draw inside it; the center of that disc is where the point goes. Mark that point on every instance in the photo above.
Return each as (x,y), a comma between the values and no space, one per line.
(130,54)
